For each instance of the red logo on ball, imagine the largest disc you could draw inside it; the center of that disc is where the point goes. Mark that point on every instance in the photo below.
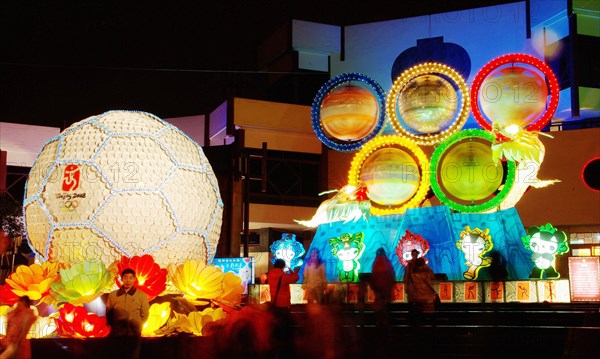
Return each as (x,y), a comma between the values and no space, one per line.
(71,178)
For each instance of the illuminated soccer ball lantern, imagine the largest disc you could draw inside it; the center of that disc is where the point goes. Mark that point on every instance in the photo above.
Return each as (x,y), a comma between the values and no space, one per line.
(513,95)
(428,103)
(122,184)
(349,112)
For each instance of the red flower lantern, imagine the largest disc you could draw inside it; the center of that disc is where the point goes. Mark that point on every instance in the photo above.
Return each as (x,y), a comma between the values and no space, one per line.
(151,279)
(92,326)
(7,296)
(75,321)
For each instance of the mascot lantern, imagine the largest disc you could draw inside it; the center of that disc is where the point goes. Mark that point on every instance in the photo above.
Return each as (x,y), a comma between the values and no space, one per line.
(475,244)
(288,249)
(408,243)
(546,242)
(348,249)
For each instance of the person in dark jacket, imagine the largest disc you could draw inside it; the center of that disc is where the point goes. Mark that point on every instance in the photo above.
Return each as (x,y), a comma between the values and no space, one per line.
(382,284)
(418,281)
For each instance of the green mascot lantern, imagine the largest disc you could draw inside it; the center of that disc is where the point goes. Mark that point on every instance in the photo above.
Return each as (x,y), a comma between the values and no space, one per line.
(348,249)
(546,242)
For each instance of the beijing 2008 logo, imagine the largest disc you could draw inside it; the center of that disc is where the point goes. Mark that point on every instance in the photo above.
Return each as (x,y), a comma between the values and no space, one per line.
(71,178)
(70,183)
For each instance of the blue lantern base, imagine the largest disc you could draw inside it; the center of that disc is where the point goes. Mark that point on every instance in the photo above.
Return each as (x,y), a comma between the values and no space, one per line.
(441,228)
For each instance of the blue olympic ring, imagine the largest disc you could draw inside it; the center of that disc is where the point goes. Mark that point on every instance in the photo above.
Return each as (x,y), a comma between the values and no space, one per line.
(316,111)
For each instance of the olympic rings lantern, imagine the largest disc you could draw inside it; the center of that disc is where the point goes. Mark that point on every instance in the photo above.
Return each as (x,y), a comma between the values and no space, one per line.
(464,175)
(510,93)
(348,111)
(423,104)
(394,170)
(122,184)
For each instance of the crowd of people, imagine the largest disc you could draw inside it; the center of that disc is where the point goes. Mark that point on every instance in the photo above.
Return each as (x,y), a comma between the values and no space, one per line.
(270,330)
(322,331)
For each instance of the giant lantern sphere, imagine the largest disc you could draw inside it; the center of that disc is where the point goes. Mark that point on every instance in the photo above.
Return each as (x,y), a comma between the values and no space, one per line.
(513,95)
(466,177)
(348,111)
(395,172)
(428,103)
(391,175)
(122,184)
(509,91)
(424,106)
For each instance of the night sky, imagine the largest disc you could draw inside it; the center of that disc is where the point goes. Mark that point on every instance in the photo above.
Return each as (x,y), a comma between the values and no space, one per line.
(62,61)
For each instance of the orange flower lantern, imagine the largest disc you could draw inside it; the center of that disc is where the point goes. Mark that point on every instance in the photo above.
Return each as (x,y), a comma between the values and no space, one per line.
(34,280)
(151,278)
(75,321)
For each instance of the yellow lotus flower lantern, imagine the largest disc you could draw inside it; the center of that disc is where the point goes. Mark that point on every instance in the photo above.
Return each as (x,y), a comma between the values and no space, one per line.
(232,291)
(199,282)
(3,310)
(158,316)
(197,320)
(42,328)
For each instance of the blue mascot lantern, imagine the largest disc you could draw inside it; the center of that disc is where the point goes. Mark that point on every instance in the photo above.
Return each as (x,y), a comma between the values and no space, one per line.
(288,249)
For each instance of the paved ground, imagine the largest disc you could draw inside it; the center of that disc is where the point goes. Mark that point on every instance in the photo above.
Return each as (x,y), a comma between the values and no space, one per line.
(458,331)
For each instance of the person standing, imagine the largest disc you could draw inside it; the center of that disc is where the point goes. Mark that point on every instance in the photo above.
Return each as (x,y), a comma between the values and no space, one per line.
(382,284)
(128,306)
(19,321)
(314,281)
(279,285)
(418,281)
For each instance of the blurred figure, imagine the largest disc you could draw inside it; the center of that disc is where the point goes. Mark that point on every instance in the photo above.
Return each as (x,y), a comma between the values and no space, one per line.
(246,333)
(382,284)
(314,281)
(19,319)
(497,268)
(325,334)
(279,286)
(361,296)
(418,279)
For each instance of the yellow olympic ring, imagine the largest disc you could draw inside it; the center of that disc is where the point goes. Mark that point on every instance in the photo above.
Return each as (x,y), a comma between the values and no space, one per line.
(70,206)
